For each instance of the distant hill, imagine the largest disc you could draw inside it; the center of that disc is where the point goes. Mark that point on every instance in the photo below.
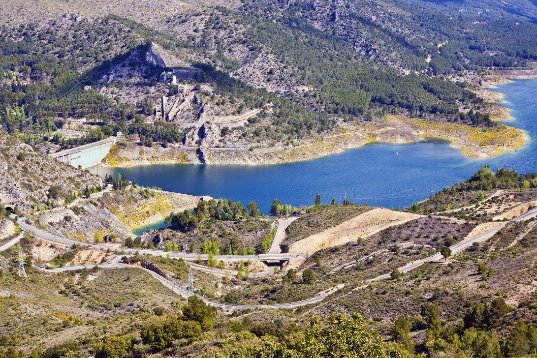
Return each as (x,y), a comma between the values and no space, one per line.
(451,35)
(313,66)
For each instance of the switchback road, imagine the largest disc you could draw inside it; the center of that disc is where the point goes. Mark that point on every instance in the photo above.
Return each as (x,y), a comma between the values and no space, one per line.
(185,292)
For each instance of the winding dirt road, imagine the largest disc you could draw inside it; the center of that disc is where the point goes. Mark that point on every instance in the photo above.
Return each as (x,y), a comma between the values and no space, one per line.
(480,234)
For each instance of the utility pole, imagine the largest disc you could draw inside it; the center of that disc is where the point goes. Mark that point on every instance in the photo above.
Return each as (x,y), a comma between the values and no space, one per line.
(21,271)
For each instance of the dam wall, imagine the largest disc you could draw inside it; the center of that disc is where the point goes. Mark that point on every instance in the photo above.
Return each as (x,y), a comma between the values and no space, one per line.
(86,156)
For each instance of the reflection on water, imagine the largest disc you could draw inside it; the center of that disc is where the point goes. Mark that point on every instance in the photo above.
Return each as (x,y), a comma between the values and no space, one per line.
(378,174)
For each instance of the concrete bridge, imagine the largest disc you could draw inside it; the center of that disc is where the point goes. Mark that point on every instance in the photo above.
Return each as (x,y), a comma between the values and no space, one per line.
(86,156)
(268,259)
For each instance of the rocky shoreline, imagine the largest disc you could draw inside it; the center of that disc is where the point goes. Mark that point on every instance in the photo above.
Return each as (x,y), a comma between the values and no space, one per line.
(495,78)
(391,130)
(472,142)
(487,83)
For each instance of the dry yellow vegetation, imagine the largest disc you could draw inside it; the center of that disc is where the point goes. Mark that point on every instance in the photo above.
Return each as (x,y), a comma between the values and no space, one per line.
(133,155)
(99,235)
(136,215)
(112,159)
(68,318)
(345,139)
(138,207)
(78,236)
(473,142)
(516,211)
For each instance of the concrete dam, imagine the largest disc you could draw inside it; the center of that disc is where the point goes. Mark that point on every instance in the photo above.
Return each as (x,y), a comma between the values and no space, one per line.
(86,156)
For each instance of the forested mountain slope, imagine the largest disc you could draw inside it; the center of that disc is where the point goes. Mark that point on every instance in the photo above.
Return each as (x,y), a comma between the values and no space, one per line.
(303,68)
(434,36)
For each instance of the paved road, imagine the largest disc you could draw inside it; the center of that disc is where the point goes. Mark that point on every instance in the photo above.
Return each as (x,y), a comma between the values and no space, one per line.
(280,235)
(185,293)
(455,249)
(26,226)
(458,247)
(348,264)
(466,243)
(86,267)
(229,273)
(213,271)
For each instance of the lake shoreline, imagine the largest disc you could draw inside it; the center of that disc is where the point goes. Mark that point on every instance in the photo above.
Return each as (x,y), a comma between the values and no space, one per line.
(378,174)
(487,88)
(387,131)
(473,143)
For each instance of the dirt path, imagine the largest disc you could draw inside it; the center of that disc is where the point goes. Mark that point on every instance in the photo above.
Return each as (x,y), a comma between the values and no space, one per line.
(348,264)
(480,234)
(280,235)
(231,121)
(185,293)
(361,226)
(522,235)
(383,218)
(7,244)
(516,211)
(491,196)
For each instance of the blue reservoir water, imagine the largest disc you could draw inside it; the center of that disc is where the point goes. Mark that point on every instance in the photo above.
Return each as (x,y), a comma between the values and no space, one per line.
(377,174)
(158,225)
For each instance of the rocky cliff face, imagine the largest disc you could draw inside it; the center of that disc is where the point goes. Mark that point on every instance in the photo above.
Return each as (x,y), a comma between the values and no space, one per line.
(30,179)
(160,57)
(153,57)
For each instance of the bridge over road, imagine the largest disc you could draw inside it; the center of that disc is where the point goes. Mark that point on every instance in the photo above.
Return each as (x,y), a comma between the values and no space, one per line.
(269,259)
(86,156)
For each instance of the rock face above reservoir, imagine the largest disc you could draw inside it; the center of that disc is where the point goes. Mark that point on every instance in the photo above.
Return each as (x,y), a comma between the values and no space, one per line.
(31,179)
